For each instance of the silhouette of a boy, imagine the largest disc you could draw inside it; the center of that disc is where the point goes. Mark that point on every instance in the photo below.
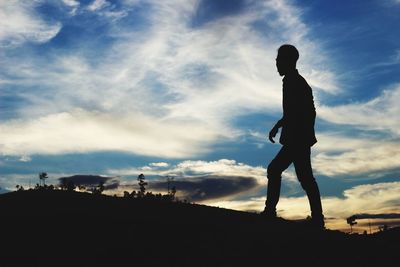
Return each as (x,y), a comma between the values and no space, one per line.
(297,136)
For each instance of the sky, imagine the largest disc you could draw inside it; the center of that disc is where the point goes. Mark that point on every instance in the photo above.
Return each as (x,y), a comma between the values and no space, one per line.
(189,89)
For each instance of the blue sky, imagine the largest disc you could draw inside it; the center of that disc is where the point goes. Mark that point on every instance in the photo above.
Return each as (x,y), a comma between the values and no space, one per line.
(190,89)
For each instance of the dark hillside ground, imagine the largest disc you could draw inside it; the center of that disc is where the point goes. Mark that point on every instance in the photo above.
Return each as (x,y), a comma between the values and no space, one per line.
(60,228)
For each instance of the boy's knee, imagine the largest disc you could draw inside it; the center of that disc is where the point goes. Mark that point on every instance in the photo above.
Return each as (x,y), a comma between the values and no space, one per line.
(273,172)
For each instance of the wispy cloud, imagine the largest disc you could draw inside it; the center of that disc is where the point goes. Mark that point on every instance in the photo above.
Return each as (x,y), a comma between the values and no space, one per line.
(20,23)
(98,4)
(73,4)
(373,159)
(107,9)
(372,152)
(190,83)
(380,113)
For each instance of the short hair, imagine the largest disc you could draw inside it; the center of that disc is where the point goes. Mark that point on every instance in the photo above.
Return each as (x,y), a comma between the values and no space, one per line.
(289,52)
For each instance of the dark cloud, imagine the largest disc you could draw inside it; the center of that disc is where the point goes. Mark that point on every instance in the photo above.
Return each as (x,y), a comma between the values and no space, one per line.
(209,10)
(376,216)
(92,181)
(208,187)
(191,188)
(388,219)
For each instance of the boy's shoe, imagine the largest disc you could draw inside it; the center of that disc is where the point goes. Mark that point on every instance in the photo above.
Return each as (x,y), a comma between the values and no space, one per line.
(316,222)
(268,214)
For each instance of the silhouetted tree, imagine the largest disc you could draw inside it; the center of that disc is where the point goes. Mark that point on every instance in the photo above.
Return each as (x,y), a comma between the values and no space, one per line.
(101,187)
(142,185)
(169,180)
(351,221)
(173,192)
(126,194)
(42,177)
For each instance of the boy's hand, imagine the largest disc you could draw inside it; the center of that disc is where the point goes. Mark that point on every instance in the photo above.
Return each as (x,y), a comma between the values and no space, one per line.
(273,133)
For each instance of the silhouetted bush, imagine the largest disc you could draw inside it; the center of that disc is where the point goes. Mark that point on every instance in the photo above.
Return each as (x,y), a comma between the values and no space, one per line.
(20,187)
(70,186)
(81,187)
(99,189)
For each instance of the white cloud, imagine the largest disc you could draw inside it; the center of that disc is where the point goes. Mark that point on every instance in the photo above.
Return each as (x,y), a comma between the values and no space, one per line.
(97,5)
(108,10)
(25,158)
(372,159)
(380,113)
(20,24)
(73,4)
(372,154)
(338,155)
(223,167)
(159,164)
(336,142)
(80,131)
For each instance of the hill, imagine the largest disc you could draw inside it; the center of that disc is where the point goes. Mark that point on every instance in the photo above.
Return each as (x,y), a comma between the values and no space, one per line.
(60,228)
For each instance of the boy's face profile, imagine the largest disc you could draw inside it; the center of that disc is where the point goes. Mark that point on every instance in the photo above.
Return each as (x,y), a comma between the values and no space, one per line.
(283,64)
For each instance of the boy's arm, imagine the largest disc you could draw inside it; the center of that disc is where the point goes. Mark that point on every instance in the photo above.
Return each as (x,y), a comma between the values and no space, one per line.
(279,123)
(275,129)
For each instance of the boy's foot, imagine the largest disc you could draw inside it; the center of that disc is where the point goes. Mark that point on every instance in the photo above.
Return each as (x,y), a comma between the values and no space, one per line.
(268,214)
(315,222)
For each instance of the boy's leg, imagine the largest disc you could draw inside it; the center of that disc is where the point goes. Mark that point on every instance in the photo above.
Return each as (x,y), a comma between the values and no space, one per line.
(302,165)
(280,163)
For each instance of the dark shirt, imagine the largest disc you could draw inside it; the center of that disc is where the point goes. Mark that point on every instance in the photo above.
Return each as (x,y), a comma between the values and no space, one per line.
(298,111)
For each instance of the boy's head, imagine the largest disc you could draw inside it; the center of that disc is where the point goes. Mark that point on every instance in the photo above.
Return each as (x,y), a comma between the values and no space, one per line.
(286,59)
